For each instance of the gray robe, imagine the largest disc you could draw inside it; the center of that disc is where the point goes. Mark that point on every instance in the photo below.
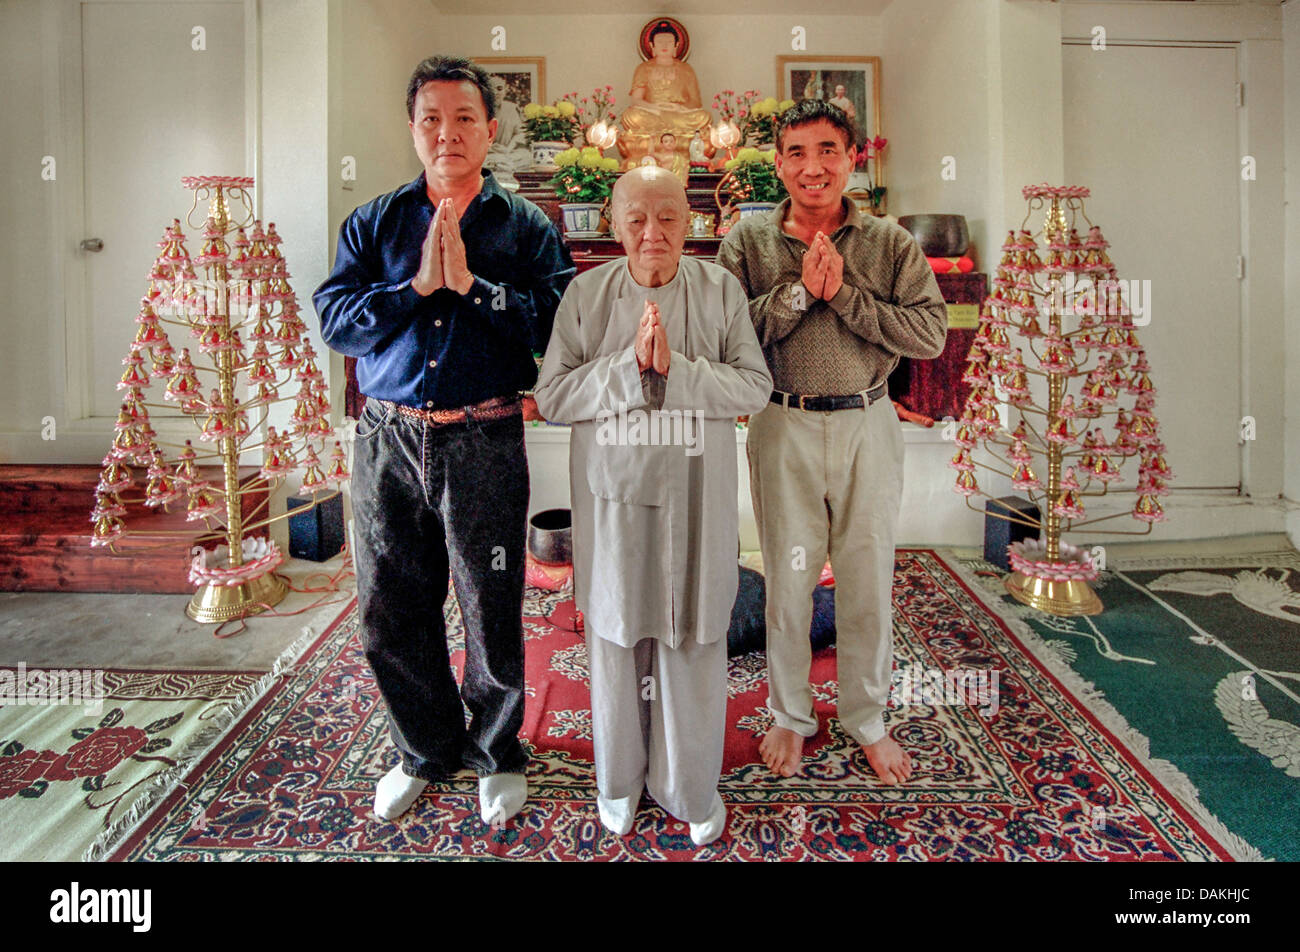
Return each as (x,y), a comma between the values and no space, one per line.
(655,527)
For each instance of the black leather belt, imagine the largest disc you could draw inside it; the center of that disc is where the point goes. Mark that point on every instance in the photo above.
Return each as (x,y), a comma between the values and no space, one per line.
(816,404)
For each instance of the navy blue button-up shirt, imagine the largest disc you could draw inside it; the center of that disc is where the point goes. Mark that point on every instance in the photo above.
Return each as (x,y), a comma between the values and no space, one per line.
(444,350)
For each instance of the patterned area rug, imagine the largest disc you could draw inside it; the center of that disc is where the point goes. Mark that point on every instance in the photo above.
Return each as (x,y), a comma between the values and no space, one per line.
(70,772)
(1202,657)
(1026,774)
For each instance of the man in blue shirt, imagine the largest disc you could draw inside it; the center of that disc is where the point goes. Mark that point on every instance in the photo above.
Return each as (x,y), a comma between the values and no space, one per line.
(443,290)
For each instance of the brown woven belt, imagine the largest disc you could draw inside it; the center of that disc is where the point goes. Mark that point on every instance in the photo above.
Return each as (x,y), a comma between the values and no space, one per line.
(496,408)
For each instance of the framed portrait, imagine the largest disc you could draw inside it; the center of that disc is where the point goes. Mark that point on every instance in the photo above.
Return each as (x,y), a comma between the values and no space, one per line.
(517,82)
(851,82)
(525,77)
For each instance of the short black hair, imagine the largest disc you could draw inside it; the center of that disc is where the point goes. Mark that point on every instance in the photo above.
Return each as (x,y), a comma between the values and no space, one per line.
(455,69)
(807,111)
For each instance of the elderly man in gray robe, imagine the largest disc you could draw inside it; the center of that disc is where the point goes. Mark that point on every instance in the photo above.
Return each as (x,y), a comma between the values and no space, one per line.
(652,358)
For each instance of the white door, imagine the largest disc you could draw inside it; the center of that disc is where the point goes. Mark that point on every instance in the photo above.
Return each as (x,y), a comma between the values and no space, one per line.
(162,96)
(1152,131)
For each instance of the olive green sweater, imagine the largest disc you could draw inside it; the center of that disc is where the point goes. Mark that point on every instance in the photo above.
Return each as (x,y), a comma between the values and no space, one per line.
(889,306)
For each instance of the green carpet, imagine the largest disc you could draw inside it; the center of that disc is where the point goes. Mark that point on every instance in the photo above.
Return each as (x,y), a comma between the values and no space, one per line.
(1201,657)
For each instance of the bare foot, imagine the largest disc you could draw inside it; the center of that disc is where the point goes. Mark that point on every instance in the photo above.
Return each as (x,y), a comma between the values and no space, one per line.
(782,751)
(888,760)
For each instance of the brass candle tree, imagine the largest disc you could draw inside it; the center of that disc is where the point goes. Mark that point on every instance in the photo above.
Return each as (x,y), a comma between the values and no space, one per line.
(243,295)
(1086,436)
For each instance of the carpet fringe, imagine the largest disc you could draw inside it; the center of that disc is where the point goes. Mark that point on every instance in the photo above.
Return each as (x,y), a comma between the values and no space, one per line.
(162,786)
(1173,779)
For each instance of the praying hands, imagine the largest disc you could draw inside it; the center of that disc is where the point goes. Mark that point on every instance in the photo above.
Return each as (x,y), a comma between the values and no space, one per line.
(651,341)
(823,268)
(442,256)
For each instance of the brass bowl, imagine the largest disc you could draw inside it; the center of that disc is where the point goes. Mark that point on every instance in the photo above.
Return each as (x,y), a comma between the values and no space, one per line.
(550,536)
(940,236)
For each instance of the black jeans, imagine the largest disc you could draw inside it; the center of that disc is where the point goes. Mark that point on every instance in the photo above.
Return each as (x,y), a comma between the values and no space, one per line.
(432,503)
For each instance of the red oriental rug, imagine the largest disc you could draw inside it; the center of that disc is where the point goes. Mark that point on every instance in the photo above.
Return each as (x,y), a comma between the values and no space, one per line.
(1014,768)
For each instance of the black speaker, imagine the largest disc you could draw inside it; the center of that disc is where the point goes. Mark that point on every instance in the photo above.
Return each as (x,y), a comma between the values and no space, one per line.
(317,534)
(1000,533)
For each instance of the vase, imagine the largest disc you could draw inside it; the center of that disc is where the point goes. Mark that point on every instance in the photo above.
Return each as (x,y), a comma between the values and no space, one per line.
(754,208)
(544,154)
(581,219)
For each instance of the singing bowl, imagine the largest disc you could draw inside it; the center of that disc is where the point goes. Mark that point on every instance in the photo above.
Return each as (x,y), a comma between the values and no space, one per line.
(550,536)
(940,236)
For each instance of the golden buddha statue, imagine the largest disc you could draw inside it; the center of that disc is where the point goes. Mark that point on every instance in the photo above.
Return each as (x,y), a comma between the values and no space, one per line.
(665,101)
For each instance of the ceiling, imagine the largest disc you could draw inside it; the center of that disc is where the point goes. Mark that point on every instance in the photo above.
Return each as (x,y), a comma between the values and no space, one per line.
(665,8)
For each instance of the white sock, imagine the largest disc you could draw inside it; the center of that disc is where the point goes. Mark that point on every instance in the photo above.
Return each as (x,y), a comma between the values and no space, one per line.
(617,815)
(501,796)
(396,792)
(702,834)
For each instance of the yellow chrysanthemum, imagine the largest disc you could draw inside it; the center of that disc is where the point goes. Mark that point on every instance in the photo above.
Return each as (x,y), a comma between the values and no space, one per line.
(589,159)
(609,165)
(532,111)
(550,111)
(748,154)
(731,163)
(769,104)
(566,108)
(566,158)
(784,105)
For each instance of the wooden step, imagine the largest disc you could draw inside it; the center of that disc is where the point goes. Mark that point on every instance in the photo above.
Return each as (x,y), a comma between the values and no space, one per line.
(45,535)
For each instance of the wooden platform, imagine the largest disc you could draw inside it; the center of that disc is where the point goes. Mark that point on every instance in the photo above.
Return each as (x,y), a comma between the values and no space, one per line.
(45,535)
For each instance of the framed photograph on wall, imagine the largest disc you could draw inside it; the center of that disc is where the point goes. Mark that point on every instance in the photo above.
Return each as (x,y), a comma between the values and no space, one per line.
(850,82)
(517,81)
(525,77)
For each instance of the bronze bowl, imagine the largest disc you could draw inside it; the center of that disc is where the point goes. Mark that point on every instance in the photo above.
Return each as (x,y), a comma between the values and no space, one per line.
(940,236)
(550,536)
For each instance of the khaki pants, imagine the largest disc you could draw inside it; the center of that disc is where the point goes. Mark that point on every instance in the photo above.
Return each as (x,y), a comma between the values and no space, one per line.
(828,484)
(658,719)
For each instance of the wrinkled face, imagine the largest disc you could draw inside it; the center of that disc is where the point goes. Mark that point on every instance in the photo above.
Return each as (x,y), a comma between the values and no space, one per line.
(814,164)
(651,217)
(664,46)
(451,129)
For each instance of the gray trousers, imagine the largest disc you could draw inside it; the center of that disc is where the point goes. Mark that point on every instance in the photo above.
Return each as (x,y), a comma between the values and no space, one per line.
(658,717)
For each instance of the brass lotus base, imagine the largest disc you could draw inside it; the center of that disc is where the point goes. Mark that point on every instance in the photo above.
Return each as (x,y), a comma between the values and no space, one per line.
(1069,597)
(216,603)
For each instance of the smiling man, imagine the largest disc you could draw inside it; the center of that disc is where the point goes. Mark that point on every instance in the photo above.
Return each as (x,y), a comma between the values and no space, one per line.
(836,298)
(443,290)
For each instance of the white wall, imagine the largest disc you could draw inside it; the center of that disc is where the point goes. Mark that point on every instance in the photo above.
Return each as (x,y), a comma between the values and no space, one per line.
(975,79)
(1291,367)
(32,363)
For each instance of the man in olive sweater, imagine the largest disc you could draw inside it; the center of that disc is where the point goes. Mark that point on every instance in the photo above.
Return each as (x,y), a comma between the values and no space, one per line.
(836,298)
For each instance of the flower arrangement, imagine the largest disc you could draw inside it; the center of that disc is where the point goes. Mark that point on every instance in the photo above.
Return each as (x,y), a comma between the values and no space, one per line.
(871,149)
(584,175)
(733,107)
(598,107)
(751,177)
(557,122)
(760,125)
